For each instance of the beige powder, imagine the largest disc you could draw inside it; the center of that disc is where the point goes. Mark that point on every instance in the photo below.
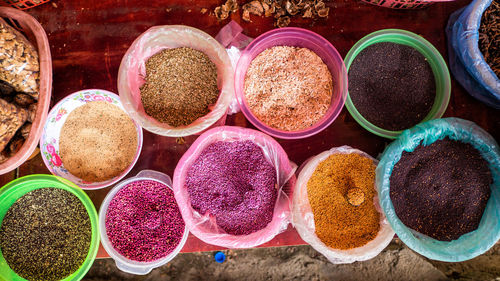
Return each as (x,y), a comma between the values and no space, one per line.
(98,141)
(288,88)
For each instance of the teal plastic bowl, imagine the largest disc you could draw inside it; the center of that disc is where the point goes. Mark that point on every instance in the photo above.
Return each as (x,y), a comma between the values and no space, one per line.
(471,244)
(16,189)
(436,61)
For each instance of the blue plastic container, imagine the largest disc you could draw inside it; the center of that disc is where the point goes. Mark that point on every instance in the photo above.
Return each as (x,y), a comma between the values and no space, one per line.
(466,60)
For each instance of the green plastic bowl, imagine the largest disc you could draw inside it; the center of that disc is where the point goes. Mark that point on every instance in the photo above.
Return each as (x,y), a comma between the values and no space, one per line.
(19,187)
(436,61)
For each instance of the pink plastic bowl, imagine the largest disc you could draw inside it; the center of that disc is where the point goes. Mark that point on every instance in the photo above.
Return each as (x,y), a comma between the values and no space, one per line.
(297,37)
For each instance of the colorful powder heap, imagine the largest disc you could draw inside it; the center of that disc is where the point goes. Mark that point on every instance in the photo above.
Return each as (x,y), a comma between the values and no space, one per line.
(234,182)
(143,221)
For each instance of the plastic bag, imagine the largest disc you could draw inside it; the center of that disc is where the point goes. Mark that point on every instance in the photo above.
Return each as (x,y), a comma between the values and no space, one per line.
(19,65)
(468,245)
(232,38)
(466,60)
(132,70)
(303,218)
(204,226)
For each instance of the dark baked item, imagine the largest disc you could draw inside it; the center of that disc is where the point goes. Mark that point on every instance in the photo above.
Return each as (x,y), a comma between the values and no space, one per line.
(11,119)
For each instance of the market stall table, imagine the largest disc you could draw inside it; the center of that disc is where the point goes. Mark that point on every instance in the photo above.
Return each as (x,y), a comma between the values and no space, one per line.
(89,37)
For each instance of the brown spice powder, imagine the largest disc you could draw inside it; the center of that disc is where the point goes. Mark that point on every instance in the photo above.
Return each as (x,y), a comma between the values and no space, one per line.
(98,141)
(288,88)
(340,224)
(181,85)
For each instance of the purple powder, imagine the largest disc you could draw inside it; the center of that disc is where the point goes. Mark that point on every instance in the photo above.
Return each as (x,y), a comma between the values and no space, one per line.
(234,182)
(143,221)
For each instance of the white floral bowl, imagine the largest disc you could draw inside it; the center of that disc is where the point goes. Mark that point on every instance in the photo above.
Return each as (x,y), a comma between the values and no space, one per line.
(49,142)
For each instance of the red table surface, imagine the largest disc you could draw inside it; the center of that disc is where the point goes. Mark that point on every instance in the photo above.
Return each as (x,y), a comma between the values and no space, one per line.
(89,37)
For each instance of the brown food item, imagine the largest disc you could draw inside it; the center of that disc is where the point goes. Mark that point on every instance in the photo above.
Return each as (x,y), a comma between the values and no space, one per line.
(5,88)
(288,88)
(255,8)
(18,61)
(282,10)
(32,112)
(340,224)
(11,119)
(223,11)
(355,196)
(181,86)
(98,141)
(4,156)
(15,144)
(23,100)
(25,130)
(283,21)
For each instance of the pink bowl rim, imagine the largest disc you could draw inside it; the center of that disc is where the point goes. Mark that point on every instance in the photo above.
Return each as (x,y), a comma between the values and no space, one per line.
(326,120)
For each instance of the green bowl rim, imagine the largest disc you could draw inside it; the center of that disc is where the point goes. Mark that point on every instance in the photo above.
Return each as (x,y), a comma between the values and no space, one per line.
(349,58)
(86,201)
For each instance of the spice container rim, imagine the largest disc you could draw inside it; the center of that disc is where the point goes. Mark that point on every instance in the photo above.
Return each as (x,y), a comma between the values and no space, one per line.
(301,223)
(45,86)
(218,111)
(123,263)
(469,245)
(281,213)
(48,156)
(19,187)
(434,58)
(266,41)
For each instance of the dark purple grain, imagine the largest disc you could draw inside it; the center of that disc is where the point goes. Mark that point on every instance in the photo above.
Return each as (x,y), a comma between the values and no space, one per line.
(143,221)
(441,190)
(234,182)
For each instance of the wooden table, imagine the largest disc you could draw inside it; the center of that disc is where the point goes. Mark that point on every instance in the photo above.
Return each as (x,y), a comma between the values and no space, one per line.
(89,37)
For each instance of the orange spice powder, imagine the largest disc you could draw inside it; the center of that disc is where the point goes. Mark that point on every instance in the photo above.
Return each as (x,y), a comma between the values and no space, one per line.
(341,192)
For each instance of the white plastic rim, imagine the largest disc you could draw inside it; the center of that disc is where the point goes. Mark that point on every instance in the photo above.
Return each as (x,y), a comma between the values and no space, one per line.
(49,140)
(305,223)
(123,263)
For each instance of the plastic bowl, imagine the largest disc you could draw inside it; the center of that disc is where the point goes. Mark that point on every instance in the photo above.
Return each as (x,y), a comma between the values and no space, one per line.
(204,227)
(35,34)
(303,217)
(471,244)
(155,39)
(123,263)
(297,37)
(436,61)
(14,190)
(49,142)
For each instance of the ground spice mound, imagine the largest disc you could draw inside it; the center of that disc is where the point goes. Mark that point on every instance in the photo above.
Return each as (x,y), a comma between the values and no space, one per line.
(98,141)
(489,36)
(181,85)
(288,88)
(235,183)
(441,190)
(46,235)
(339,179)
(143,221)
(392,85)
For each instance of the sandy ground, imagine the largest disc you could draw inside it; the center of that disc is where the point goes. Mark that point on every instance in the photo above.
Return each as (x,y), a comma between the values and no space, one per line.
(396,262)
